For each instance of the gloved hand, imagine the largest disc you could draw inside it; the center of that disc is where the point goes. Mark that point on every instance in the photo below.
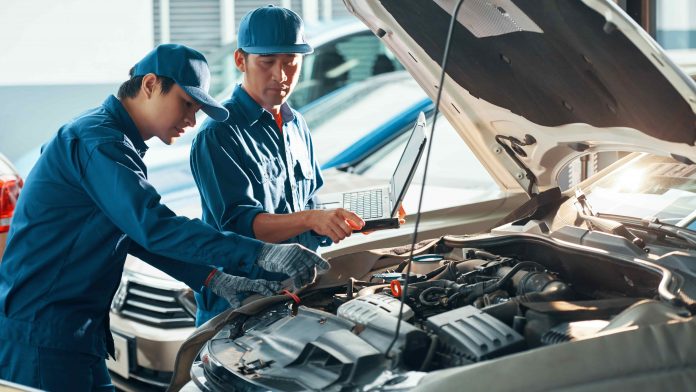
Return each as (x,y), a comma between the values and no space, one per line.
(228,286)
(294,260)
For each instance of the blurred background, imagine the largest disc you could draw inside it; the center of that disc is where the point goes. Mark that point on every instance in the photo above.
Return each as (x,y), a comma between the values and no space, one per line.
(60,58)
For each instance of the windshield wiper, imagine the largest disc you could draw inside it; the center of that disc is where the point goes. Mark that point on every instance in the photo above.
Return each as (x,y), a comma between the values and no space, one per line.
(654,225)
(594,222)
(617,224)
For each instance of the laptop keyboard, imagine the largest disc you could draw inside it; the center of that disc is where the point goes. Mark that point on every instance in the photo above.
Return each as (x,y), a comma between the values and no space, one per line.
(367,204)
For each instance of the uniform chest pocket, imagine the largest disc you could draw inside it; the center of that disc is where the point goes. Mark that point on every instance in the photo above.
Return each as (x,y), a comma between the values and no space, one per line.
(267,170)
(303,170)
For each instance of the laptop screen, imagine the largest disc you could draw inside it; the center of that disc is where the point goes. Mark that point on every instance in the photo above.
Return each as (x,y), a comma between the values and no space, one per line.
(408,162)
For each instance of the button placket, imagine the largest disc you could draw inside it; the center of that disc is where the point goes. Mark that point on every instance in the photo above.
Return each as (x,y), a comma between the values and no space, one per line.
(290,167)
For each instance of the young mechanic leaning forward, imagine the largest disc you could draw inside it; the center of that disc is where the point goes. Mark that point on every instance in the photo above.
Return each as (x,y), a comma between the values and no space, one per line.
(87,203)
(256,171)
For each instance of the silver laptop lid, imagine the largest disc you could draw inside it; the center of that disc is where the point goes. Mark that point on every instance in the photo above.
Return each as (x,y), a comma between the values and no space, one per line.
(408,163)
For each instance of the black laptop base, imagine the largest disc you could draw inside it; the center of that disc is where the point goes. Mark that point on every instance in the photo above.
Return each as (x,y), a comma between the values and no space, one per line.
(379,224)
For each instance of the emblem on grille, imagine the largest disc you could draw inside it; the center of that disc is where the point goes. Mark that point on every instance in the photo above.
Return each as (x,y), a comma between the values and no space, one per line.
(120,297)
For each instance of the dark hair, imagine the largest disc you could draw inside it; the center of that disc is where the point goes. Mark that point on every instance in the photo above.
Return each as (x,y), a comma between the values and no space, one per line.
(131,87)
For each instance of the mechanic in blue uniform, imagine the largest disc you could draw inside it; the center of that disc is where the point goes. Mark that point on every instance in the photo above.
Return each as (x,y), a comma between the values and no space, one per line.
(87,203)
(256,171)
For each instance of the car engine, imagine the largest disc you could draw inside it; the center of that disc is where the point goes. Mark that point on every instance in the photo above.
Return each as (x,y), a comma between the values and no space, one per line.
(462,306)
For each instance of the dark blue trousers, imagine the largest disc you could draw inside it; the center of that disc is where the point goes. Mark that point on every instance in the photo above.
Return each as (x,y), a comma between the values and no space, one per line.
(52,369)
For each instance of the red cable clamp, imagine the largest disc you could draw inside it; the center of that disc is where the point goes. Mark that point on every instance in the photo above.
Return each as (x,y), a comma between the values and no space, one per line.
(395,287)
(291,295)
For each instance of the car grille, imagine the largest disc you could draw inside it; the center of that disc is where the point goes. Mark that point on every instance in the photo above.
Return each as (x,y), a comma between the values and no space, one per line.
(155,306)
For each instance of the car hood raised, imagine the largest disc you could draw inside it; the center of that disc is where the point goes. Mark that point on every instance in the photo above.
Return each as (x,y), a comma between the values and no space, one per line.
(578,76)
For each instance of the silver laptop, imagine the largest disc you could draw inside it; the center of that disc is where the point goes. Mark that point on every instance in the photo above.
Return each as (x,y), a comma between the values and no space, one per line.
(379,206)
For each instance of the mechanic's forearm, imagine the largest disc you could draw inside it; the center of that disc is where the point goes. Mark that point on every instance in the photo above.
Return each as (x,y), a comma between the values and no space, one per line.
(281,227)
(193,275)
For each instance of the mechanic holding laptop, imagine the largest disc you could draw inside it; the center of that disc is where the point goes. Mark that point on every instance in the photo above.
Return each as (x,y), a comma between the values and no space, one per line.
(87,203)
(256,171)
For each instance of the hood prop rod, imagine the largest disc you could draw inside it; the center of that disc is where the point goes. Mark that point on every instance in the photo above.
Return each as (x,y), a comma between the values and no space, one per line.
(513,150)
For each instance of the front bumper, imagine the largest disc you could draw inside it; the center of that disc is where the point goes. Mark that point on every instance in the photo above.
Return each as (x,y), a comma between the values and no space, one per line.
(151,350)
(150,320)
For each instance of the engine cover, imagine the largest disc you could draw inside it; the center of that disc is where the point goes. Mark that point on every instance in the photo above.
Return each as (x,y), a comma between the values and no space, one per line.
(364,309)
(471,335)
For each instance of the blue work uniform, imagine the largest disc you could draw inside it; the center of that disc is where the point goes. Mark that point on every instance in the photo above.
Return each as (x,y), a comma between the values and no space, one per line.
(246,166)
(85,205)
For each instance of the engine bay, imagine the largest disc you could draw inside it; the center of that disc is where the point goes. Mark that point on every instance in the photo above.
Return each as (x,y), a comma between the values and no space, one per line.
(463,305)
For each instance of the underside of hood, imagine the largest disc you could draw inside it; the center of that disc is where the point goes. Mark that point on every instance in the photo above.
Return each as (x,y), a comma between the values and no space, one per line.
(578,76)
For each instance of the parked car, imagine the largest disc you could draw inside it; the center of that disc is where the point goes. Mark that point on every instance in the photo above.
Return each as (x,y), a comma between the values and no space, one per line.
(10,186)
(587,290)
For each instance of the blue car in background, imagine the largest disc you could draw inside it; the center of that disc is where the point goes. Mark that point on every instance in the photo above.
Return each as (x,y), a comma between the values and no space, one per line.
(354,121)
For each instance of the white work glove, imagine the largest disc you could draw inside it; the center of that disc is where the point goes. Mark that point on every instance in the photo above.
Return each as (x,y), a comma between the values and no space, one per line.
(294,260)
(229,286)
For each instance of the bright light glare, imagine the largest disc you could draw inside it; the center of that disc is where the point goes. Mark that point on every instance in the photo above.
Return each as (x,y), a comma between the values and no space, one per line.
(629,181)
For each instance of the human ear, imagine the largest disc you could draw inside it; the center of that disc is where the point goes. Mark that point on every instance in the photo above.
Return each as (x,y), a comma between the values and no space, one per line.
(239,61)
(149,85)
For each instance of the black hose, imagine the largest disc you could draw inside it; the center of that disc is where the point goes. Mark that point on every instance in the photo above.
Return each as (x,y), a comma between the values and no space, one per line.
(429,290)
(455,268)
(552,292)
(507,311)
(429,355)
(349,288)
(511,273)
(453,297)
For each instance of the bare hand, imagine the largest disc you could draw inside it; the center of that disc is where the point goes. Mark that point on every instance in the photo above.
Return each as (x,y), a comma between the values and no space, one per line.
(336,224)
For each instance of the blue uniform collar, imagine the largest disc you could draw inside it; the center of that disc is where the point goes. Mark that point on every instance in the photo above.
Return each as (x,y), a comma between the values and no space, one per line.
(253,111)
(115,107)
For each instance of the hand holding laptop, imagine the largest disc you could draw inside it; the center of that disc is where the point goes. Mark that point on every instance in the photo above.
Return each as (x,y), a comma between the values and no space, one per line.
(378,207)
(336,224)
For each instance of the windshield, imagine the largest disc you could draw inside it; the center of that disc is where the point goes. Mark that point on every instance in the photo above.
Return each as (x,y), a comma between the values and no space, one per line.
(449,155)
(348,115)
(648,186)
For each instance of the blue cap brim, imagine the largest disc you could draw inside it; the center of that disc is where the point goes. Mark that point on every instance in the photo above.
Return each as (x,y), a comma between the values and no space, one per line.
(208,105)
(299,48)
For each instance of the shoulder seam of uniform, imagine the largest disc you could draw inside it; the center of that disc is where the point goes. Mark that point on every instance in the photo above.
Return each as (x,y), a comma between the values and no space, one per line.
(94,146)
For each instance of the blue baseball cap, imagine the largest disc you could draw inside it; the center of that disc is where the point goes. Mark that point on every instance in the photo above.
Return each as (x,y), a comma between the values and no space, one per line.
(189,69)
(272,30)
